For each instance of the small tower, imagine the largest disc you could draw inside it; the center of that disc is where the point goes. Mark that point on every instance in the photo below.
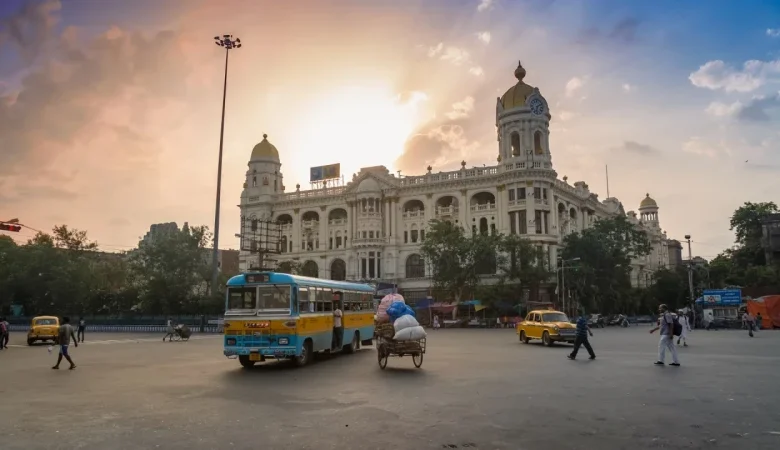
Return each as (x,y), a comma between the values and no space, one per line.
(263,181)
(523,121)
(648,210)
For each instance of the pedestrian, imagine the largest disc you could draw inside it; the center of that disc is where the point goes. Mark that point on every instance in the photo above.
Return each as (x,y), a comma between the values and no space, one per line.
(82,328)
(169,331)
(65,333)
(436,322)
(583,330)
(758,321)
(751,323)
(338,331)
(686,327)
(3,333)
(498,322)
(666,325)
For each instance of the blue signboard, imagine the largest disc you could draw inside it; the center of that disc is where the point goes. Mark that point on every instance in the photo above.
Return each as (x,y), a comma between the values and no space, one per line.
(720,297)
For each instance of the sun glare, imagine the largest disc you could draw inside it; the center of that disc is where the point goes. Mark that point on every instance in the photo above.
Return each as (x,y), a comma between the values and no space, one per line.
(359,126)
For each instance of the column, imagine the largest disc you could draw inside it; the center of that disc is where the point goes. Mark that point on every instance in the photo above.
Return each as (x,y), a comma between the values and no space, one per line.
(324,238)
(530,202)
(394,222)
(464,208)
(350,218)
(297,241)
(500,210)
(386,218)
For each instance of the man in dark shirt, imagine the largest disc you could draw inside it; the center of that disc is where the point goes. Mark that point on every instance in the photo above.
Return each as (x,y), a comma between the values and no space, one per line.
(65,335)
(583,330)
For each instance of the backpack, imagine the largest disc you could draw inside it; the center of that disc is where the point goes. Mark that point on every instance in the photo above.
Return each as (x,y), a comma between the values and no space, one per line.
(677,327)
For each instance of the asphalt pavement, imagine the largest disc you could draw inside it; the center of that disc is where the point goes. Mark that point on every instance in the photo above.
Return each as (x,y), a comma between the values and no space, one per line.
(477,389)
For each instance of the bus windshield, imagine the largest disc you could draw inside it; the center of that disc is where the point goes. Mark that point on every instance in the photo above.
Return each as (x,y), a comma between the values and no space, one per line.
(270,297)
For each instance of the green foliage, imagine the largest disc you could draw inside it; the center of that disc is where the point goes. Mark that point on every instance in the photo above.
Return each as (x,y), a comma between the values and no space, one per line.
(522,264)
(600,278)
(291,267)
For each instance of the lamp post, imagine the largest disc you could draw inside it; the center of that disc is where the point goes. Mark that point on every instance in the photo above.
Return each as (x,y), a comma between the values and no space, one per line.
(563,279)
(228,43)
(690,277)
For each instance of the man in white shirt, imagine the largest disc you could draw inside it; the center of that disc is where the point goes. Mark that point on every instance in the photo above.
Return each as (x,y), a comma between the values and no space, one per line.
(686,327)
(666,325)
(338,330)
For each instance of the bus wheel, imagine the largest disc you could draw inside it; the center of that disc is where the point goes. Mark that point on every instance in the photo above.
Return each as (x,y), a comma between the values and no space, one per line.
(306,353)
(353,346)
(245,362)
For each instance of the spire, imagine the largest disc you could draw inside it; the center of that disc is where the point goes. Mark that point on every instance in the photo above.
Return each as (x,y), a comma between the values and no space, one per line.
(520,71)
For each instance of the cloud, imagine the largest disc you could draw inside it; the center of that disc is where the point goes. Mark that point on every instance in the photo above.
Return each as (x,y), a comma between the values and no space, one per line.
(461,109)
(627,87)
(564,115)
(455,55)
(756,110)
(623,32)
(717,74)
(439,146)
(773,32)
(573,85)
(699,146)
(30,28)
(476,71)
(638,149)
(485,5)
(484,37)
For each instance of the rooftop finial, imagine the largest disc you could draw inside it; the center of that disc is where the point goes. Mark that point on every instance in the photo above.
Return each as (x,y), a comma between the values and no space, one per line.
(520,71)
(265,136)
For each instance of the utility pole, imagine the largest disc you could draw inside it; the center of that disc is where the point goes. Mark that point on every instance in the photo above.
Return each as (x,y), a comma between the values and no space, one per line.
(228,43)
(690,277)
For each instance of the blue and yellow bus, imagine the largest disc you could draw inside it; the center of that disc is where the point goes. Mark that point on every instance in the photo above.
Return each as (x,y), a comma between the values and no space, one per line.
(269,314)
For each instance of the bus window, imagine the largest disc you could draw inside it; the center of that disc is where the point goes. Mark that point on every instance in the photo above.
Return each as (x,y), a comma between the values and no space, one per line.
(242,298)
(303,303)
(274,297)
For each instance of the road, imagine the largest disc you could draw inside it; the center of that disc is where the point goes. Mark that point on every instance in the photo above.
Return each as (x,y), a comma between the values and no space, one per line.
(478,389)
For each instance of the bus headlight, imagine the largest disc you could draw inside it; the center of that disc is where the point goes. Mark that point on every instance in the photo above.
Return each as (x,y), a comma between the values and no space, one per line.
(284,341)
(231,341)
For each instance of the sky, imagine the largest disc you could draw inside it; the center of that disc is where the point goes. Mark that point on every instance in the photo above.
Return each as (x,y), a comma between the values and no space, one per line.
(110,109)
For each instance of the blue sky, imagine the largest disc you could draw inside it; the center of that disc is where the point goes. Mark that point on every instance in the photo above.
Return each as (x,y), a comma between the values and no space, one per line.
(660,91)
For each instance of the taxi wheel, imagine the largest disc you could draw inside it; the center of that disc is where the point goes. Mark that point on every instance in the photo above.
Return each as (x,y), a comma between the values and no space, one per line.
(523,338)
(30,341)
(546,339)
(245,362)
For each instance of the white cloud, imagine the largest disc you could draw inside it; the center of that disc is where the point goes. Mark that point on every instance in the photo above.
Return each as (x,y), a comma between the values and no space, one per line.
(476,71)
(573,85)
(699,146)
(436,50)
(718,109)
(773,32)
(628,88)
(484,37)
(717,75)
(485,5)
(461,109)
(449,53)
(564,115)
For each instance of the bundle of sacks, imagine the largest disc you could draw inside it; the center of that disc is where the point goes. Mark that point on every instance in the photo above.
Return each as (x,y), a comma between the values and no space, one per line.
(406,326)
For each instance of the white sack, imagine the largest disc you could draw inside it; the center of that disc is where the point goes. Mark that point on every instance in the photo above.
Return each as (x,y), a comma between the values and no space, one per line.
(405,321)
(410,334)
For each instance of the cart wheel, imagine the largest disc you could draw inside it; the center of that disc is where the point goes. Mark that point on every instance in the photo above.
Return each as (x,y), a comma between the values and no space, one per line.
(417,358)
(176,337)
(381,354)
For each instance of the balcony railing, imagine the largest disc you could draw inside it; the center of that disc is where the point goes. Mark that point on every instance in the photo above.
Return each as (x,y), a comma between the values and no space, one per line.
(359,241)
(484,207)
(413,214)
(310,223)
(286,226)
(541,201)
(519,202)
(443,211)
(337,222)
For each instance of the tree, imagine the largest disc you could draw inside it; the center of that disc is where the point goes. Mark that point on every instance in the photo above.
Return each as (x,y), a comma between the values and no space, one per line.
(523,264)
(601,277)
(746,222)
(291,267)
(457,260)
(170,271)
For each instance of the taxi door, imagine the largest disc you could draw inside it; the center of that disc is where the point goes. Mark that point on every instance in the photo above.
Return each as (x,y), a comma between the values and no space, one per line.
(536,326)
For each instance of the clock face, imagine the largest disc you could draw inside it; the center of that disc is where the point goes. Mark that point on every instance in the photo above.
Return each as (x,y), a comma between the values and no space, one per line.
(537,106)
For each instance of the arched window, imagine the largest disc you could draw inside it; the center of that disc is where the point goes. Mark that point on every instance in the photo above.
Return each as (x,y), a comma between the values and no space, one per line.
(338,270)
(310,269)
(415,266)
(538,143)
(483,225)
(515,141)
(283,244)
(254,181)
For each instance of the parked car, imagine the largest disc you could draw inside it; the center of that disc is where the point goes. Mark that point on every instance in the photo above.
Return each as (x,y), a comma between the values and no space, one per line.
(596,321)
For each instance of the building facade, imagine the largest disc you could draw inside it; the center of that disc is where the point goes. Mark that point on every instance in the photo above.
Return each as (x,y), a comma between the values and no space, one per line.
(373,227)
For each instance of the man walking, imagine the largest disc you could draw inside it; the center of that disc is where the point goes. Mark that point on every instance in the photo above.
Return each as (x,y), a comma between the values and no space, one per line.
(751,323)
(65,334)
(82,328)
(686,327)
(3,333)
(666,325)
(583,330)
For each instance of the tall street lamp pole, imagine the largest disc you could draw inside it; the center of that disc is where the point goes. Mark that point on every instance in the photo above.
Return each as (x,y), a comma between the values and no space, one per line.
(690,277)
(228,43)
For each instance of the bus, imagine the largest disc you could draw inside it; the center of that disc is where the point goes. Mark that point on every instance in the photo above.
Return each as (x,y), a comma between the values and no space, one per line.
(283,316)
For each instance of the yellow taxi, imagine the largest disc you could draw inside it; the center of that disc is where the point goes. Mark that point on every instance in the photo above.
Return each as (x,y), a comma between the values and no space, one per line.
(548,325)
(43,328)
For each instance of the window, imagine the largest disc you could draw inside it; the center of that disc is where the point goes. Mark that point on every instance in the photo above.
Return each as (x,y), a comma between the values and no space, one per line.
(538,221)
(406,237)
(493,229)
(330,243)
(274,297)
(244,298)
(338,241)
(538,143)
(305,304)
(290,245)
(523,222)
(371,235)
(274,185)
(512,223)
(537,318)
(515,141)
(554,317)
(511,195)
(254,181)
(529,318)
(544,193)
(537,193)
(414,235)
(483,225)
(364,235)
(415,266)
(521,193)
(283,244)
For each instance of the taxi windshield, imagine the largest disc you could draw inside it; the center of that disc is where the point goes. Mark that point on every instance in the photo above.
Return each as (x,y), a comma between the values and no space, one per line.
(554,317)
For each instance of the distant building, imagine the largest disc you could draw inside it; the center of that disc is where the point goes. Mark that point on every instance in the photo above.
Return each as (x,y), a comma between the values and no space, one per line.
(675,253)
(227,261)
(160,229)
(770,238)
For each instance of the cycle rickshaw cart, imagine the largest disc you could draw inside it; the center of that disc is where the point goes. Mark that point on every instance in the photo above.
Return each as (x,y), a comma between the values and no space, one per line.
(386,346)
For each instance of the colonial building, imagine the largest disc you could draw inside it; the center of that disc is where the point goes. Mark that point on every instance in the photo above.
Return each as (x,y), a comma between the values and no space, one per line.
(372,227)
